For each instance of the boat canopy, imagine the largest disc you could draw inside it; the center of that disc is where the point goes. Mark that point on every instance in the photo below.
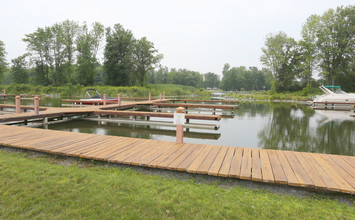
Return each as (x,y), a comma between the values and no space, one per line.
(334,90)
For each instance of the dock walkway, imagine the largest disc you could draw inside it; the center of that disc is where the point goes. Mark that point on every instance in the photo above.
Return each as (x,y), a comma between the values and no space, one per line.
(309,170)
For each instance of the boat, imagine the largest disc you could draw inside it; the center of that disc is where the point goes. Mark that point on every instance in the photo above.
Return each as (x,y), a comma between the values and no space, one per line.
(334,98)
(94,95)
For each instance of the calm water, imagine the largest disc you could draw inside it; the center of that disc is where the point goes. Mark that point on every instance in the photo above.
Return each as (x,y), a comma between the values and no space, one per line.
(269,126)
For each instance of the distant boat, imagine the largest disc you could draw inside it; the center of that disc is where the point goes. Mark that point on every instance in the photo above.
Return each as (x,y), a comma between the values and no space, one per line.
(95,97)
(335,96)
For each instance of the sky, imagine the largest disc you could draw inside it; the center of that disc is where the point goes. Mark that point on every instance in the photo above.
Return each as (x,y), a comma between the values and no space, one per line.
(199,35)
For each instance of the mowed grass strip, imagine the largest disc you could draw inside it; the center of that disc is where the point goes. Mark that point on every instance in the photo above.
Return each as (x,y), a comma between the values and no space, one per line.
(46,187)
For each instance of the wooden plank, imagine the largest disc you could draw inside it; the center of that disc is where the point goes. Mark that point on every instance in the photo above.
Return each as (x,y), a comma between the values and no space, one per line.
(192,168)
(345,165)
(191,158)
(174,164)
(102,144)
(161,150)
(276,166)
(121,155)
(144,146)
(207,162)
(256,167)
(350,160)
(292,179)
(333,173)
(164,164)
(266,170)
(225,167)
(340,170)
(194,105)
(236,163)
(245,171)
(162,157)
(311,171)
(134,159)
(115,147)
(217,163)
(331,184)
(99,150)
(301,174)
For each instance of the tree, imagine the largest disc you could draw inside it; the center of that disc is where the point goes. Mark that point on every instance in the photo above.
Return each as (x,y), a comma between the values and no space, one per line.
(19,70)
(39,48)
(308,47)
(336,42)
(282,56)
(144,57)
(211,80)
(3,64)
(118,62)
(87,46)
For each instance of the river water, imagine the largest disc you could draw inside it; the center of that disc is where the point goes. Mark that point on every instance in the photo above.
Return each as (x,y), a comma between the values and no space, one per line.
(256,125)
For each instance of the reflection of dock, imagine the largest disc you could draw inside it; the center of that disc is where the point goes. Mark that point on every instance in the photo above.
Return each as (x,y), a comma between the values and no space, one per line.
(309,170)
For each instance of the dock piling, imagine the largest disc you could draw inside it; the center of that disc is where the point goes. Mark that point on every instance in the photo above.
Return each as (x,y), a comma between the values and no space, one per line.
(119,99)
(160,97)
(18,108)
(36,104)
(105,98)
(150,96)
(179,126)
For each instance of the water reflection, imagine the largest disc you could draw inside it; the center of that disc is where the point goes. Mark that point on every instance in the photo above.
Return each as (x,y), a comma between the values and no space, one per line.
(299,128)
(264,125)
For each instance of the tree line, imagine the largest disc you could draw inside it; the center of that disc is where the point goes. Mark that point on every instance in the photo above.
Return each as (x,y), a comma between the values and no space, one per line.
(327,48)
(67,52)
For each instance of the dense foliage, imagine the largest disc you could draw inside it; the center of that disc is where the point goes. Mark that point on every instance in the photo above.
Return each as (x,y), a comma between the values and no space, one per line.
(327,48)
(241,78)
(66,53)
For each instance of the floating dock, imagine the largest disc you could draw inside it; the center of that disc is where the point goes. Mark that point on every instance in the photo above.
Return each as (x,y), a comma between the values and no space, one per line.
(309,170)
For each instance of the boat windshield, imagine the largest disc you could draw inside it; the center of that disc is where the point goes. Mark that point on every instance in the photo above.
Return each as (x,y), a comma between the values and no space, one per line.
(332,89)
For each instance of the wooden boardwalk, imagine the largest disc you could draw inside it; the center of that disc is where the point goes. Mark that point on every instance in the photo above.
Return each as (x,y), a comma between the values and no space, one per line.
(309,170)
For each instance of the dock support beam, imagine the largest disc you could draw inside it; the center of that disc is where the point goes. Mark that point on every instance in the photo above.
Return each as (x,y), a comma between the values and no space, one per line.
(180,128)
(18,108)
(36,104)
(105,97)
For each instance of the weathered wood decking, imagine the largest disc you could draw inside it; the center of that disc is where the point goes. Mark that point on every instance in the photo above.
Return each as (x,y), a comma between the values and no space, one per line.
(310,170)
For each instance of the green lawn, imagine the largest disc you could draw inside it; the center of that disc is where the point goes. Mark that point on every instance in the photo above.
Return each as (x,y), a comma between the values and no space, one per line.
(44,187)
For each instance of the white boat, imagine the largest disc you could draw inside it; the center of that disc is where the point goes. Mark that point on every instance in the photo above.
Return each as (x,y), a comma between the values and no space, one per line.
(335,96)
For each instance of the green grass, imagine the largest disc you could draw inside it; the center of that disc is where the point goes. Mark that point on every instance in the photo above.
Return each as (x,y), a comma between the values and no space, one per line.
(41,187)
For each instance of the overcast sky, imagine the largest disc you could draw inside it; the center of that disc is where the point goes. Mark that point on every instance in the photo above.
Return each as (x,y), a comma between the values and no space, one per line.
(199,35)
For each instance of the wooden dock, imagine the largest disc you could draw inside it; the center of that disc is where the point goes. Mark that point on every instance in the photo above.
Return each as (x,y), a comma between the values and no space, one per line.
(310,170)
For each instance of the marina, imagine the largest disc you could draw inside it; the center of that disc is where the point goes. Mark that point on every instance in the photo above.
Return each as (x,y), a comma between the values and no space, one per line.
(325,172)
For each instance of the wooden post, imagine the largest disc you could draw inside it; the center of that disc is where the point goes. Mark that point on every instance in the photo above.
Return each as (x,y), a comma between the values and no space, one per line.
(163,95)
(150,96)
(4,92)
(179,128)
(119,99)
(36,104)
(105,97)
(17,101)
(160,97)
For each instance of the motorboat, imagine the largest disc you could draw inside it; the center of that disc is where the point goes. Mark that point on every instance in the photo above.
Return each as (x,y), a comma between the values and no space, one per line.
(335,95)
(334,98)
(94,95)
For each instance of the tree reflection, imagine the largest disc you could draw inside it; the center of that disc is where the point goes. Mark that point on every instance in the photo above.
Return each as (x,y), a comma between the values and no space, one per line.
(297,129)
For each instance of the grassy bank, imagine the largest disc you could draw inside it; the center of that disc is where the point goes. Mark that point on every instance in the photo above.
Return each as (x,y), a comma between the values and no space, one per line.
(269,95)
(78,90)
(48,188)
